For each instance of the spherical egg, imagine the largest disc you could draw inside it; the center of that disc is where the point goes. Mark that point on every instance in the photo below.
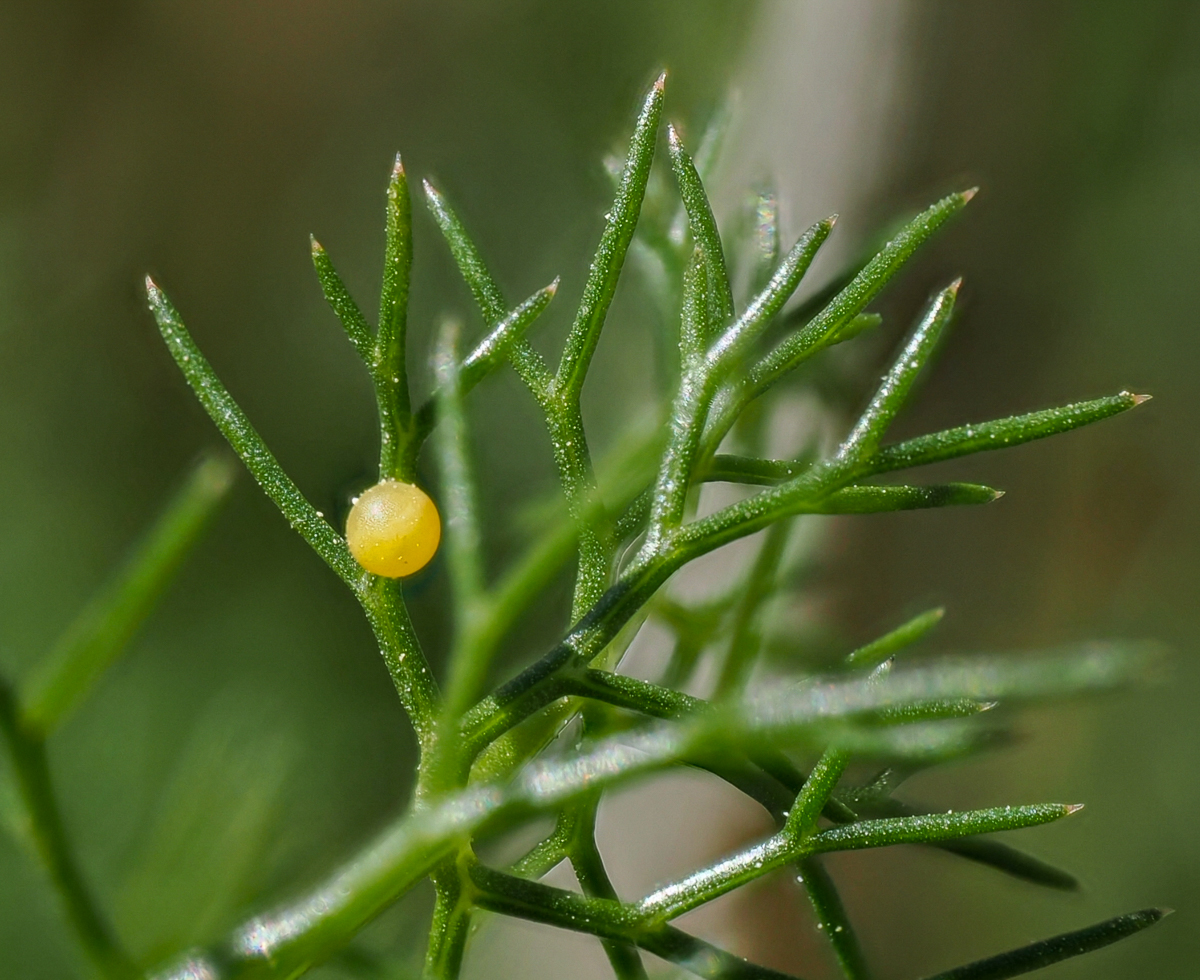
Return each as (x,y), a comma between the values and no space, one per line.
(393,529)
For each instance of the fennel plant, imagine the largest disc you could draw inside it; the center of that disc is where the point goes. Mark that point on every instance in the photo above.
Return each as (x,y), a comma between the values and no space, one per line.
(551,740)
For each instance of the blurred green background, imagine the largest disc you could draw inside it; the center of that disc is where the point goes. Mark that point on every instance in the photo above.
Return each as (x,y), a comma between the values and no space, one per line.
(251,738)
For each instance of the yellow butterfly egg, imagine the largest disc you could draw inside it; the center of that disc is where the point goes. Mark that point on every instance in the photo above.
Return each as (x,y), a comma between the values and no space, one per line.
(393,529)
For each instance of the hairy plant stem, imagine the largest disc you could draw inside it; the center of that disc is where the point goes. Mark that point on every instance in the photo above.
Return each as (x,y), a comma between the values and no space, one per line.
(578,479)
(383,601)
(450,927)
(832,918)
(593,878)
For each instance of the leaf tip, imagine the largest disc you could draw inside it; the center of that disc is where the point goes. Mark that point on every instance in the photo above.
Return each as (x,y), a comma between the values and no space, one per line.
(673,141)
(315,245)
(1069,808)
(398,168)
(831,221)
(553,287)
(997,494)
(1139,399)
(661,83)
(954,287)
(883,669)
(969,193)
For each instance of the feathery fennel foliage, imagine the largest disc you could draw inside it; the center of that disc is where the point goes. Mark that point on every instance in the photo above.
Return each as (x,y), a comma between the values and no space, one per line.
(483,767)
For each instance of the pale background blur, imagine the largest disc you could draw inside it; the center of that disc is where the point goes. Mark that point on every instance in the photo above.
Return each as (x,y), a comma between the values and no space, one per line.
(251,738)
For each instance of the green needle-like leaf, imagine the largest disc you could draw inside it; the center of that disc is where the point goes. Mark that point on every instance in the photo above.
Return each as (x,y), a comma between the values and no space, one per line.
(898,382)
(594,880)
(663,239)
(877,651)
(100,633)
(932,827)
(614,243)
(1012,862)
(776,774)
(495,348)
(389,364)
(964,440)
(450,924)
(851,300)
(791,844)
(693,321)
(492,351)
(832,919)
(764,508)
(704,230)
(546,854)
(529,690)
(248,444)
(467,256)
(814,794)
(338,297)
(702,887)
(397,261)
(982,850)
(607,919)
(750,325)
(535,687)
(490,300)
(1049,951)
(938,710)
(876,500)
(653,700)
(728,468)
(1000,434)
